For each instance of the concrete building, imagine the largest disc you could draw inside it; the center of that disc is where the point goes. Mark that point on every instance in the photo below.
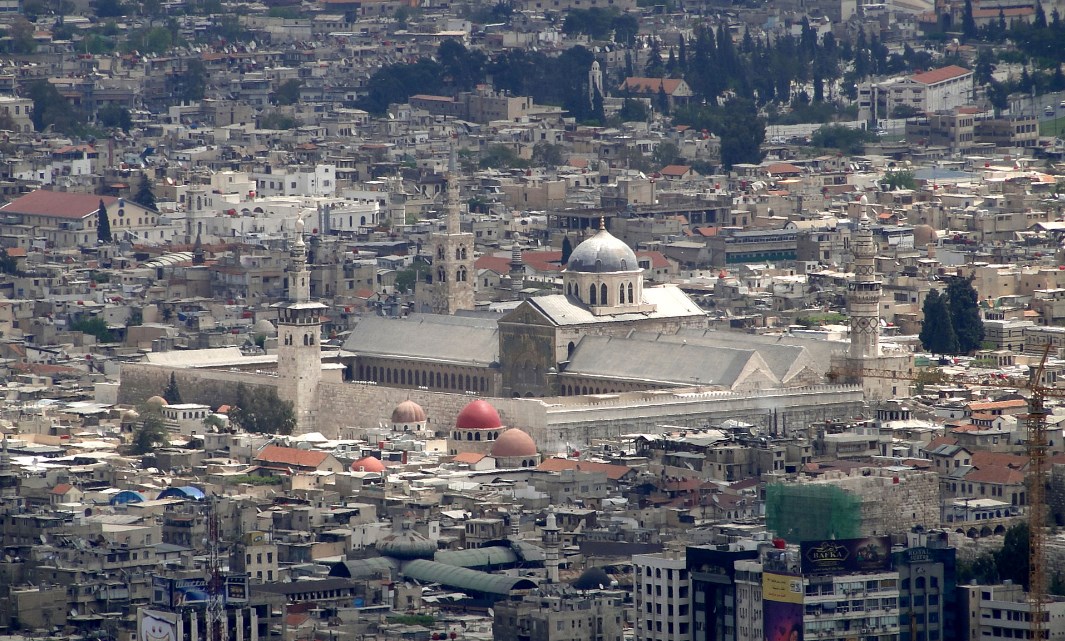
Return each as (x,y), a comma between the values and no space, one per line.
(937,90)
(1003,611)
(662,598)
(714,587)
(559,614)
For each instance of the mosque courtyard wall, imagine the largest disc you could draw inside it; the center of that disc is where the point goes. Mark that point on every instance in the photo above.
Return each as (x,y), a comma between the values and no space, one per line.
(348,410)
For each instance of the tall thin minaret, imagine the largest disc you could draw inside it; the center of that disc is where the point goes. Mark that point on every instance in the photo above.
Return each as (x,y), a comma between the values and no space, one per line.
(8,478)
(551,539)
(299,330)
(595,83)
(450,286)
(863,292)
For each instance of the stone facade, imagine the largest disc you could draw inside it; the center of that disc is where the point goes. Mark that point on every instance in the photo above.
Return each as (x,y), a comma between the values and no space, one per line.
(351,409)
(448,287)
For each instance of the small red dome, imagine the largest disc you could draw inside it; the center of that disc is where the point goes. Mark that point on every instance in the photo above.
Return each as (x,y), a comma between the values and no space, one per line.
(368,464)
(478,415)
(514,442)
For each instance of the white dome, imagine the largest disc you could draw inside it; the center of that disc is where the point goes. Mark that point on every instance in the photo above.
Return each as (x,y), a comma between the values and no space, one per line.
(602,253)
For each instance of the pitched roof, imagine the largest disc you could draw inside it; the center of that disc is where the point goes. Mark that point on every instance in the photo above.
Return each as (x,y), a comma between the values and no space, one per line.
(430,336)
(675,170)
(613,472)
(498,264)
(469,458)
(651,85)
(939,75)
(996,474)
(291,456)
(62,489)
(58,204)
(1017,403)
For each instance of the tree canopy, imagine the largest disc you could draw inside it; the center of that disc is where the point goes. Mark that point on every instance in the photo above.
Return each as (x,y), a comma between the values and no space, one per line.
(261,411)
(937,334)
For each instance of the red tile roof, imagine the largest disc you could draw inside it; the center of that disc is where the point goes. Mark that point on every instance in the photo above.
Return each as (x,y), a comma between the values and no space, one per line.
(1017,403)
(62,489)
(651,85)
(58,204)
(781,168)
(675,170)
(498,264)
(613,472)
(996,474)
(291,456)
(469,458)
(939,75)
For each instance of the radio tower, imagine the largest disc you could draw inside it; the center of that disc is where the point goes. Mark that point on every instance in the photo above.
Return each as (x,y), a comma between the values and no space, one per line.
(216,607)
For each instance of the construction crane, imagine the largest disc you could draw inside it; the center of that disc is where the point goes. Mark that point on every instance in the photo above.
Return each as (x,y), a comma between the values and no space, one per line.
(1036,427)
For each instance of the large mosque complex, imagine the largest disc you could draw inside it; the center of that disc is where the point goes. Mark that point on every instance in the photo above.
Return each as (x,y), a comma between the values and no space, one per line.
(608,355)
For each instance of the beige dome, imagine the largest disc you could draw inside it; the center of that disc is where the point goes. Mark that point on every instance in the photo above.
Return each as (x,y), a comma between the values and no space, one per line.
(264,327)
(156,402)
(514,442)
(924,235)
(408,412)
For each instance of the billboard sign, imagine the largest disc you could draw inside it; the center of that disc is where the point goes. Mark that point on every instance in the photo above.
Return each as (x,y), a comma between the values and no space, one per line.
(782,607)
(153,625)
(871,554)
(186,593)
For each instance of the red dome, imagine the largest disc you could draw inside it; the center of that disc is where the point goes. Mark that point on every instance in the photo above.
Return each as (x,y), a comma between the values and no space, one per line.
(368,464)
(478,415)
(514,442)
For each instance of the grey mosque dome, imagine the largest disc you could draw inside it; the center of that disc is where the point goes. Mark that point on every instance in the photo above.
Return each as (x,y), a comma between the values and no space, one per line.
(406,544)
(593,578)
(602,253)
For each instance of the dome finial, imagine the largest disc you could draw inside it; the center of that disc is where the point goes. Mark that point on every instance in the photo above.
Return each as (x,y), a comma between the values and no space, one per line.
(602,223)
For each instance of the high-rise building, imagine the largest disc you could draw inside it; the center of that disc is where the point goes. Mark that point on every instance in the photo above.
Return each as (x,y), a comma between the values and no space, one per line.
(299,330)
(713,582)
(662,595)
(560,613)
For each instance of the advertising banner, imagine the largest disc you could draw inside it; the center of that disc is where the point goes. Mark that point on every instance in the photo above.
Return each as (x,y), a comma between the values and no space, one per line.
(153,625)
(782,607)
(871,554)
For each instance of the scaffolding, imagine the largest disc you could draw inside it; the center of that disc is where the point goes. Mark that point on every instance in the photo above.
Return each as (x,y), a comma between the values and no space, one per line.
(812,512)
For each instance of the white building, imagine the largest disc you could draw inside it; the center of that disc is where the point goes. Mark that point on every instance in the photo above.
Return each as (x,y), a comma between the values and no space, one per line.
(661,591)
(936,90)
(1004,612)
(319,180)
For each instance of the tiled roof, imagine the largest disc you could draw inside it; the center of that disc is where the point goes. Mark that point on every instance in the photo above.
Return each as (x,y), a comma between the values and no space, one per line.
(651,85)
(58,204)
(998,405)
(469,458)
(613,472)
(62,489)
(498,264)
(291,456)
(996,474)
(675,170)
(941,74)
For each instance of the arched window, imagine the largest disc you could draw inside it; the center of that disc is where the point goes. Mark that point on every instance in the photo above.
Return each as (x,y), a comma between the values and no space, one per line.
(463,252)
(388,376)
(569,348)
(919,583)
(631,299)
(602,294)
(477,436)
(460,276)
(441,275)
(591,294)
(458,253)
(440,251)
(468,386)
(621,293)
(453,383)
(362,220)
(469,436)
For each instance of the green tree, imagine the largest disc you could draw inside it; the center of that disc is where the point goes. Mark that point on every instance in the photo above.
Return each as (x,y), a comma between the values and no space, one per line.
(742,133)
(261,411)
(114,117)
(110,9)
(567,249)
(547,154)
(275,120)
(93,326)
(144,195)
(191,84)
(103,224)
(500,156)
(1012,560)
(50,108)
(666,153)
(968,23)
(172,395)
(20,32)
(965,313)
(8,265)
(288,92)
(407,278)
(937,333)
(899,179)
(151,433)
(633,110)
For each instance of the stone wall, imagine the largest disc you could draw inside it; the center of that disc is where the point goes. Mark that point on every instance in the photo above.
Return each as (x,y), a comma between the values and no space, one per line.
(557,424)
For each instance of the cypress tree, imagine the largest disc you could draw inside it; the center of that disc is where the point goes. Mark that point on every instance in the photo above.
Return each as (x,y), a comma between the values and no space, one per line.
(965,313)
(567,249)
(103,224)
(171,394)
(937,333)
